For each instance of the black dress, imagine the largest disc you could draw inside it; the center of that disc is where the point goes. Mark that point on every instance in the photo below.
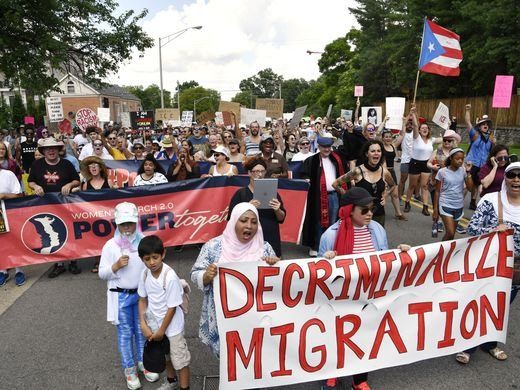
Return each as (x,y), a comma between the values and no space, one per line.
(268,220)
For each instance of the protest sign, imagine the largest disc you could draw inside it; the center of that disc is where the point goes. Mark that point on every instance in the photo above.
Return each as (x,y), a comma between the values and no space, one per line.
(312,319)
(358,90)
(219,118)
(394,112)
(287,116)
(442,116)
(54,108)
(65,126)
(167,114)
(372,115)
(503,91)
(228,118)
(55,228)
(85,117)
(28,120)
(230,107)
(187,118)
(273,107)
(297,117)
(142,120)
(125,119)
(4,223)
(329,111)
(248,115)
(103,114)
(346,114)
(205,116)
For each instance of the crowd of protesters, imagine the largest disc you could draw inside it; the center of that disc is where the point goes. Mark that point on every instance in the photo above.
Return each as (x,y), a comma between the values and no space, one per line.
(351,168)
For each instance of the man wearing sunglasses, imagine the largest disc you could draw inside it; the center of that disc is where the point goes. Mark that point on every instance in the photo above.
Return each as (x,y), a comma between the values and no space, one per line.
(304,145)
(110,143)
(93,133)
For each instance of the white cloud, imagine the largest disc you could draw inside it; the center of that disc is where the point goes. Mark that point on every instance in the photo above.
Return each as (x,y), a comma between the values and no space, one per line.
(238,39)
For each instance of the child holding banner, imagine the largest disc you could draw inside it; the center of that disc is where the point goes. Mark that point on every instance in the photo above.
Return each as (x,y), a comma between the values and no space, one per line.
(121,267)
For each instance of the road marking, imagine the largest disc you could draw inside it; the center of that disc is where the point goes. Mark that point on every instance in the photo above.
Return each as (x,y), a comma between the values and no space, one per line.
(463,221)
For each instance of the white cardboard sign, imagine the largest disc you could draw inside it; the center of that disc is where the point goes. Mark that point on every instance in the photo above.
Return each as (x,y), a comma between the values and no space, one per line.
(395,112)
(442,116)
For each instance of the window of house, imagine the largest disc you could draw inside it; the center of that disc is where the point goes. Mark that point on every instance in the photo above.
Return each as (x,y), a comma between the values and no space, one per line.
(70,87)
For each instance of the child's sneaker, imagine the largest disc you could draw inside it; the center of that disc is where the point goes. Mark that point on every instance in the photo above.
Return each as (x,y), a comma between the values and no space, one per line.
(169,386)
(19,278)
(132,380)
(4,277)
(150,376)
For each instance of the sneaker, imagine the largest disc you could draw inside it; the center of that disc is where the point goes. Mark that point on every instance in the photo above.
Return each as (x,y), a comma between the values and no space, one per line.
(435,229)
(132,380)
(57,270)
(460,229)
(440,227)
(19,278)
(150,376)
(4,277)
(330,384)
(73,268)
(361,386)
(165,385)
(313,253)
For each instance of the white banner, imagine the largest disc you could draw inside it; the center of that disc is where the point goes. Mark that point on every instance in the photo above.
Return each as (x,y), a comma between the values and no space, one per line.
(103,114)
(54,108)
(248,115)
(442,116)
(313,319)
(372,115)
(395,112)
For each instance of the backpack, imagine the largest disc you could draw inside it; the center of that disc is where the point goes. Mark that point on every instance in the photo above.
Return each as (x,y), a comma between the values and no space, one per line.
(185,288)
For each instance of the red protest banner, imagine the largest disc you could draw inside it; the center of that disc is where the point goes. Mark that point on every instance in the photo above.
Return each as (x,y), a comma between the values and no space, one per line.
(57,228)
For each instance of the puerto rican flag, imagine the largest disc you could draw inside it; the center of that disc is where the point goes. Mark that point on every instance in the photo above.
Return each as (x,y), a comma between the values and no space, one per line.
(440,50)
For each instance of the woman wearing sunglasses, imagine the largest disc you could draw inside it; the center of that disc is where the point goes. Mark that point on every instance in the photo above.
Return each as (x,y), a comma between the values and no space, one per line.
(222,167)
(354,232)
(499,211)
(491,174)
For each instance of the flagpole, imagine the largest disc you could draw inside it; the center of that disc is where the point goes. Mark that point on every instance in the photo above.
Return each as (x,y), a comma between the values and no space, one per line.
(418,70)
(416,84)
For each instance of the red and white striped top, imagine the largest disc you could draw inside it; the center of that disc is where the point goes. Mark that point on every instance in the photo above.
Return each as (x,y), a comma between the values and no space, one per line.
(362,240)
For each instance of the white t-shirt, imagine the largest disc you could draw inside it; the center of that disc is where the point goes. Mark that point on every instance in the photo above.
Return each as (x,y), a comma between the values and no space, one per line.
(301,156)
(163,293)
(157,178)
(88,150)
(422,150)
(81,139)
(330,173)
(9,184)
(406,148)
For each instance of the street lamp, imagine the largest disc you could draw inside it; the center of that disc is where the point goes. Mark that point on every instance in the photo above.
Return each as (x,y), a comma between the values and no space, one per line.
(195,106)
(168,39)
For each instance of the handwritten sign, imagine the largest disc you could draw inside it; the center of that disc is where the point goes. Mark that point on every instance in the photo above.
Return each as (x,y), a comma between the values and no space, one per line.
(273,107)
(230,107)
(28,120)
(187,118)
(85,117)
(103,114)
(125,119)
(503,92)
(248,115)
(358,91)
(54,108)
(142,120)
(167,114)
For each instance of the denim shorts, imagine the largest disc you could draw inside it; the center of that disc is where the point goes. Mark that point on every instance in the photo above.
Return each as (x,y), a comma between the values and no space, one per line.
(456,214)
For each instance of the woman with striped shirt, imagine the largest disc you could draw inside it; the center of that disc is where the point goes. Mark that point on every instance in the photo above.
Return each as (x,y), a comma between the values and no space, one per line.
(355,232)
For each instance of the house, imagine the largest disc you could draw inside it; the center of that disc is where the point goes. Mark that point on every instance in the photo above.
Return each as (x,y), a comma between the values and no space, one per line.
(77,94)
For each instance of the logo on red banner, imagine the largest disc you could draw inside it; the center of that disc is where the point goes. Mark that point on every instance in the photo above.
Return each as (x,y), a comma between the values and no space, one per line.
(44,233)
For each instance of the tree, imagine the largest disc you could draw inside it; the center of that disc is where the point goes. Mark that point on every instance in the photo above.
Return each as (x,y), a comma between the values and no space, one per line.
(80,36)
(291,89)
(18,111)
(151,96)
(188,84)
(265,84)
(5,114)
(209,99)
(245,98)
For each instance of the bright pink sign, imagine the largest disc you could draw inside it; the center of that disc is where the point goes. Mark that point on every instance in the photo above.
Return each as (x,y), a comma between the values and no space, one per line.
(503,92)
(358,90)
(28,120)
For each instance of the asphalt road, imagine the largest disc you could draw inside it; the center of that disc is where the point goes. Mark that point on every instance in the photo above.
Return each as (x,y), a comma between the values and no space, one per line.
(53,333)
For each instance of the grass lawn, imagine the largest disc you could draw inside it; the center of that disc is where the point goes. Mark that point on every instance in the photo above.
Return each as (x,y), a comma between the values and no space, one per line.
(514,149)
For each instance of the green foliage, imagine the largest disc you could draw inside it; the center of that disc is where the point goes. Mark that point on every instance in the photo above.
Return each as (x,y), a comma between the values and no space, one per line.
(18,111)
(245,98)
(206,99)
(41,111)
(81,36)
(5,114)
(265,84)
(188,84)
(151,96)
(291,89)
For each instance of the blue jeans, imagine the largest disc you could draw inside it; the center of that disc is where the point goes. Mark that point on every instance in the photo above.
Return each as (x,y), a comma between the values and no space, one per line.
(333,216)
(130,340)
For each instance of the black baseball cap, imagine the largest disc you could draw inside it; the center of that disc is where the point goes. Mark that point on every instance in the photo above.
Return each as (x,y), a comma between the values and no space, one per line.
(357,196)
(234,141)
(154,355)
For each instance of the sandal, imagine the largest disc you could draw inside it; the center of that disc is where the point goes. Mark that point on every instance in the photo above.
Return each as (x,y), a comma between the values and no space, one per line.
(498,353)
(463,357)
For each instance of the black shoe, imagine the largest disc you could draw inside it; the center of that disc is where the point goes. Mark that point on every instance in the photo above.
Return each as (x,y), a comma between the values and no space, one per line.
(73,268)
(407,207)
(425,210)
(473,204)
(57,270)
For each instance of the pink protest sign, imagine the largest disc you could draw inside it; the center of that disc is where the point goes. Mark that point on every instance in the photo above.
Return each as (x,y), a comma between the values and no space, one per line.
(85,118)
(28,120)
(358,90)
(503,91)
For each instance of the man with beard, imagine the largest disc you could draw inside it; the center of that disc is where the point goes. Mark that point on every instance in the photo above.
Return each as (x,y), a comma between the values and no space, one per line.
(252,142)
(322,200)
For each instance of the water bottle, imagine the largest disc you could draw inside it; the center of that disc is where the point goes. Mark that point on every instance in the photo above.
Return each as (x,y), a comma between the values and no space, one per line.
(435,229)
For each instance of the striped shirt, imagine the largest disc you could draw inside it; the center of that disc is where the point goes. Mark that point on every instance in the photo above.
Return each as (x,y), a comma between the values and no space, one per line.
(362,240)
(252,148)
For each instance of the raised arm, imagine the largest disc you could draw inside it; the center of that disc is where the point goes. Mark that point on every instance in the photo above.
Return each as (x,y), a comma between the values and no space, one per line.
(415,121)
(467,117)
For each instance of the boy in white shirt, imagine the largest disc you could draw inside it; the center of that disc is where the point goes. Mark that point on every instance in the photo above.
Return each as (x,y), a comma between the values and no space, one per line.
(160,313)
(121,267)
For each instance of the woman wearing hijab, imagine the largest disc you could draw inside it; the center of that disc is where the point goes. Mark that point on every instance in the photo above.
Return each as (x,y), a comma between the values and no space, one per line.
(499,211)
(355,232)
(242,240)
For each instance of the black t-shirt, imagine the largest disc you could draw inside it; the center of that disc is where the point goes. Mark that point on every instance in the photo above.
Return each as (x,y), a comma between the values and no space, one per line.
(28,150)
(270,225)
(52,177)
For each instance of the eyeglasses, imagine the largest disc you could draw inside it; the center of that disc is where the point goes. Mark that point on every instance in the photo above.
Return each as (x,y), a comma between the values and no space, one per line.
(138,148)
(96,144)
(29,134)
(112,138)
(513,175)
(93,166)
(258,171)
(447,140)
(502,158)
(305,144)
(365,210)
(217,154)
(45,132)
